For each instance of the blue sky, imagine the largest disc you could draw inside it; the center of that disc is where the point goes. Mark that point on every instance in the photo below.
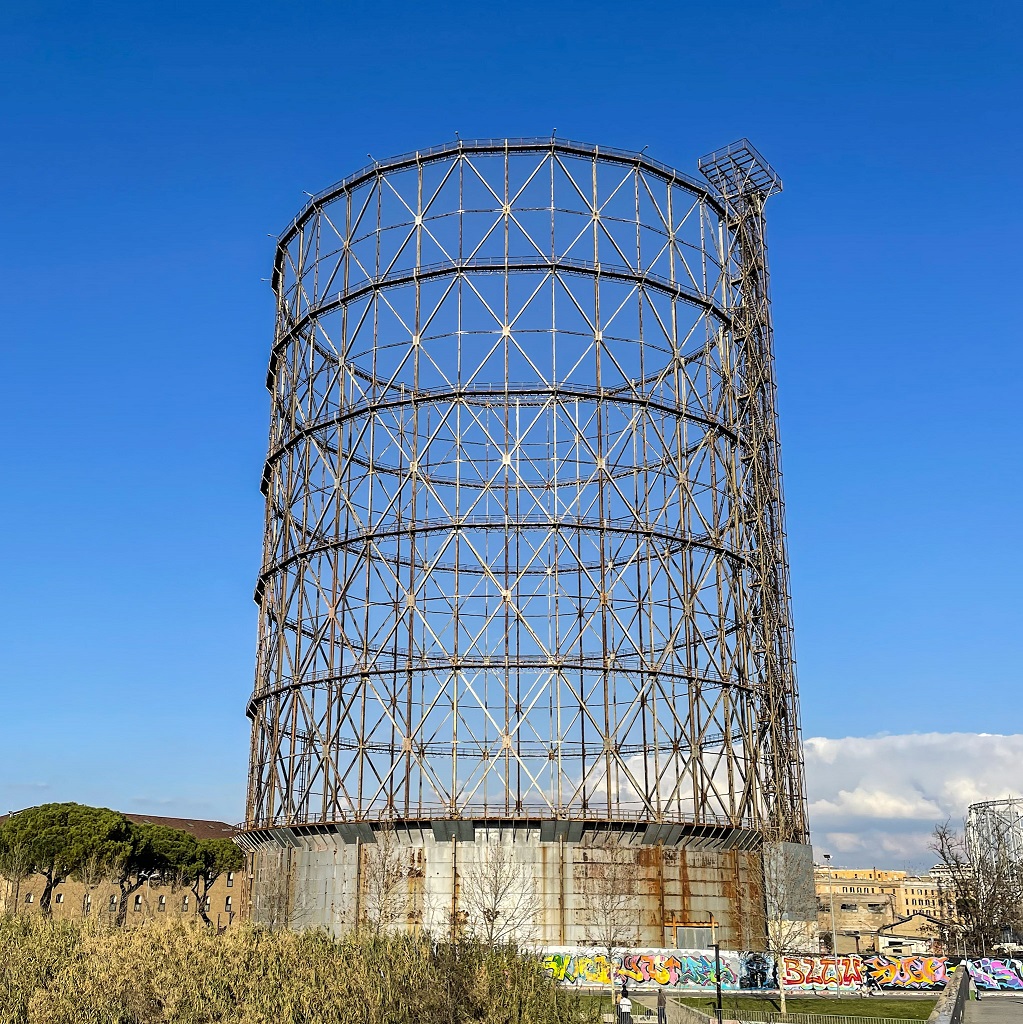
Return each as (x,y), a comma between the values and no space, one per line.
(149,151)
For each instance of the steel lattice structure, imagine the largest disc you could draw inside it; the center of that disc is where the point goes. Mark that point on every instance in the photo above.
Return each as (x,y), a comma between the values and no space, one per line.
(524,552)
(994,833)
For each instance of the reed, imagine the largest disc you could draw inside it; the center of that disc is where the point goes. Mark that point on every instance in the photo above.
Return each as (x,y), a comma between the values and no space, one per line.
(74,973)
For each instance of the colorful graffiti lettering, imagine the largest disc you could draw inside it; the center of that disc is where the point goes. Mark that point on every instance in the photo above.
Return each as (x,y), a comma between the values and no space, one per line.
(915,972)
(694,969)
(674,968)
(816,972)
(997,974)
(578,968)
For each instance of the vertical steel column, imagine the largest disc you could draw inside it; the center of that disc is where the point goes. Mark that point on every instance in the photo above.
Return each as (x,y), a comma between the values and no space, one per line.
(746,181)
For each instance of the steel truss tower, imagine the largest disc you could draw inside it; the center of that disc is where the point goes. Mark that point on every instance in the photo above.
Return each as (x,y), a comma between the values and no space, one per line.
(524,556)
(994,834)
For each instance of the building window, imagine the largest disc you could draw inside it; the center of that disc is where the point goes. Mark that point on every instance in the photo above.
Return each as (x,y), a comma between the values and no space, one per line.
(230,879)
(206,905)
(227,904)
(849,906)
(88,902)
(138,903)
(184,905)
(59,898)
(161,904)
(686,936)
(113,904)
(29,898)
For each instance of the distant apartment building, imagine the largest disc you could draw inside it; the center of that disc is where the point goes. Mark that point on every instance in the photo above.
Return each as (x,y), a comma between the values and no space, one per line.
(875,909)
(227,901)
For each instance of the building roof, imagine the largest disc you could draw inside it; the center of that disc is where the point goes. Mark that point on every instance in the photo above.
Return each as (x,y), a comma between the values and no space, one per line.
(917,925)
(198,827)
(201,828)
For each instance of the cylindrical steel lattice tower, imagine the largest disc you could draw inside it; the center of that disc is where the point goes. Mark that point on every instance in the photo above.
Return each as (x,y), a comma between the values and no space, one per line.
(994,835)
(524,554)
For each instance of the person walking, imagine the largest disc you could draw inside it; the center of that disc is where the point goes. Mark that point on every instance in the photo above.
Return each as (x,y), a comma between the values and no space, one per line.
(974,992)
(662,1006)
(624,1007)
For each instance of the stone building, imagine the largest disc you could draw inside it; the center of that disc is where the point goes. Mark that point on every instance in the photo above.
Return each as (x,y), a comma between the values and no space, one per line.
(868,901)
(916,934)
(227,901)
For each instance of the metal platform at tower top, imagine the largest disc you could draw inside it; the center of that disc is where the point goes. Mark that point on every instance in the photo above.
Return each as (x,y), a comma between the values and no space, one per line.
(693,837)
(739,170)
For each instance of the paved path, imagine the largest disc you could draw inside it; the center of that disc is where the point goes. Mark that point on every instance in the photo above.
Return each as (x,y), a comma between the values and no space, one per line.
(996,1008)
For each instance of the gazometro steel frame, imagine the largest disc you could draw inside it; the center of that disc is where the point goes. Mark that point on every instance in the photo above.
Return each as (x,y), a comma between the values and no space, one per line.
(525,553)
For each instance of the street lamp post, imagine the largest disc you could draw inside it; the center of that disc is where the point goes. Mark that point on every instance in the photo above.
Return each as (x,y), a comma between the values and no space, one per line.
(717,982)
(831,891)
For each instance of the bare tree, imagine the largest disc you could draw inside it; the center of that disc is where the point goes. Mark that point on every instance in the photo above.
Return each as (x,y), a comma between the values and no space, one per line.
(781,881)
(271,891)
(93,872)
(15,867)
(498,895)
(385,874)
(984,888)
(608,898)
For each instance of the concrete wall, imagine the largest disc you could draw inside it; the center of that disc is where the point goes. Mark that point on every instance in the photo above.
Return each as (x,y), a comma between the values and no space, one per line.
(326,881)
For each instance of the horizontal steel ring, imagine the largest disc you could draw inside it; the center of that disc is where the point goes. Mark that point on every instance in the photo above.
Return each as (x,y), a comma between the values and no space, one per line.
(468,396)
(434,154)
(681,541)
(495,266)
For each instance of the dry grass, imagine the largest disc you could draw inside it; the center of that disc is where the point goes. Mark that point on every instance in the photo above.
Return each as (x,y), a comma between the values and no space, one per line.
(69,973)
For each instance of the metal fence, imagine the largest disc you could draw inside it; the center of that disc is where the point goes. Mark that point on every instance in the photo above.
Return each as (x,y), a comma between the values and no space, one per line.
(679,1013)
(771,1017)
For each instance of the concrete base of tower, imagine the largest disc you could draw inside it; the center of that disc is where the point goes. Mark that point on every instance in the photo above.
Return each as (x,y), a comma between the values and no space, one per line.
(543,882)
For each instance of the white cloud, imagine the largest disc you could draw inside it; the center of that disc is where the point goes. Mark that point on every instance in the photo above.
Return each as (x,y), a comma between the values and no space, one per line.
(876,803)
(876,799)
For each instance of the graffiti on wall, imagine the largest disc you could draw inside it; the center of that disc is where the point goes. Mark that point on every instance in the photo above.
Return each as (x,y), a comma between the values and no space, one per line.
(694,969)
(997,974)
(908,972)
(812,973)
(679,968)
(757,971)
(671,968)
